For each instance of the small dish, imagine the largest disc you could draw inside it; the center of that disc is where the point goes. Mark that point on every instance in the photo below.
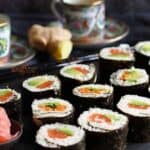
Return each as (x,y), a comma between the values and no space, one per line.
(17,130)
(19,54)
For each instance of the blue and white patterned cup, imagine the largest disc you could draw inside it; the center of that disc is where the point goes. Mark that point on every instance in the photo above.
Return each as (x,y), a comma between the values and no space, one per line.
(5,31)
(81,16)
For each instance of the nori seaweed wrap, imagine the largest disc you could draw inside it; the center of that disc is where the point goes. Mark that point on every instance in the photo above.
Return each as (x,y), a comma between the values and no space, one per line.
(137,108)
(148,68)
(38,87)
(75,75)
(129,81)
(112,59)
(52,110)
(92,95)
(105,129)
(11,101)
(60,137)
(142,52)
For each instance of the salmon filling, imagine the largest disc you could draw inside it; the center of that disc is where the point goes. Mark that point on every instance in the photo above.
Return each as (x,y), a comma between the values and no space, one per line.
(5,96)
(59,134)
(118,52)
(77,71)
(99,118)
(92,91)
(138,105)
(82,70)
(45,84)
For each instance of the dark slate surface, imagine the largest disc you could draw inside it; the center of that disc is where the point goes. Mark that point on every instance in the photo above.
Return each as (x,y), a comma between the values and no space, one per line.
(24,13)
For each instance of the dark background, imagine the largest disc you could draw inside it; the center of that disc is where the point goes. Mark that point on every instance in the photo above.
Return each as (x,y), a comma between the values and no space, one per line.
(136,13)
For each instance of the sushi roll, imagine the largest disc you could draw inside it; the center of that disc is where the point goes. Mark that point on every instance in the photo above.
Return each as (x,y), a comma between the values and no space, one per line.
(149,91)
(38,87)
(129,81)
(11,101)
(142,51)
(52,110)
(105,129)
(137,108)
(60,137)
(114,58)
(90,95)
(76,74)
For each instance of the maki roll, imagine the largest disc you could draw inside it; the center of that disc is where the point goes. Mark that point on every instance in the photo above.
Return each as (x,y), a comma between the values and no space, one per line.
(60,137)
(129,81)
(105,129)
(40,87)
(76,74)
(137,108)
(90,95)
(149,91)
(52,110)
(11,101)
(114,58)
(142,51)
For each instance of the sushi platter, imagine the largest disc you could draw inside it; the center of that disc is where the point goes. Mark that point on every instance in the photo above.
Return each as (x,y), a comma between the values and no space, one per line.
(96,102)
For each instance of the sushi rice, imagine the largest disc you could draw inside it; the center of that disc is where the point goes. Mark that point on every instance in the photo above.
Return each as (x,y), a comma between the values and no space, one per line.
(79,72)
(27,84)
(135,105)
(13,95)
(143,48)
(140,77)
(117,54)
(102,90)
(76,135)
(117,120)
(40,113)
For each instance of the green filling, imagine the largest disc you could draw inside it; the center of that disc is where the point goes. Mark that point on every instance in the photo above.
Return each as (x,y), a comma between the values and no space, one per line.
(52,105)
(139,103)
(113,117)
(119,55)
(4,92)
(36,82)
(94,89)
(73,72)
(66,131)
(146,47)
(133,76)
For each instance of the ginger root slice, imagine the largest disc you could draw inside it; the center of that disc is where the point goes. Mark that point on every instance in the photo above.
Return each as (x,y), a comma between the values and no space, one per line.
(54,40)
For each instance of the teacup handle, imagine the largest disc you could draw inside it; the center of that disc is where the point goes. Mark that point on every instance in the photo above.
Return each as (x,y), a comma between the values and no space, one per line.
(56,12)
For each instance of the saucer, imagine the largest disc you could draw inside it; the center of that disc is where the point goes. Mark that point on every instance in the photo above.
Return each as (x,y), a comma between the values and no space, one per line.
(19,54)
(114,31)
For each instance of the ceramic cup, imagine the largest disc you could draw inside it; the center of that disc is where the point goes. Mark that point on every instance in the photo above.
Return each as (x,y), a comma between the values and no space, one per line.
(5,31)
(80,16)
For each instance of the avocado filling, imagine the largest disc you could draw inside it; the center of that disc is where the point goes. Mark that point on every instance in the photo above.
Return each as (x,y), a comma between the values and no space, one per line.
(76,71)
(119,53)
(130,76)
(138,104)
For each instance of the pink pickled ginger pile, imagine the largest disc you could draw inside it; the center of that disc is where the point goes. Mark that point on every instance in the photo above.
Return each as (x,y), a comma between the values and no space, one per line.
(5,126)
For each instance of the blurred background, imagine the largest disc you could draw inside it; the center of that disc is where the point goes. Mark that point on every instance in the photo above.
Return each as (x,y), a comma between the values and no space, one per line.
(136,13)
